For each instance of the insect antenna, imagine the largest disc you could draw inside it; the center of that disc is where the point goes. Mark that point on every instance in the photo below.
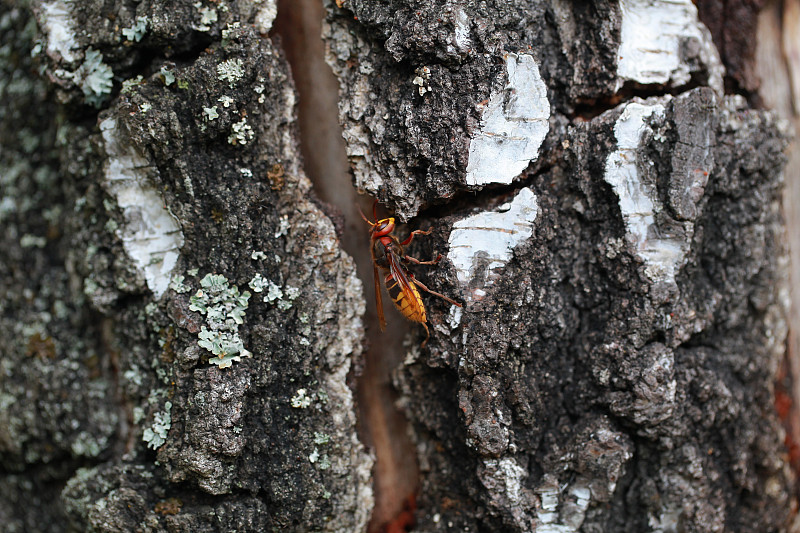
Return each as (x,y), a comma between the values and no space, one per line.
(365,216)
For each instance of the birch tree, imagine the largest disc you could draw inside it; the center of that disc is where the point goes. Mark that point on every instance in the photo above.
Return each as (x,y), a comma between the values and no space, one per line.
(183,328)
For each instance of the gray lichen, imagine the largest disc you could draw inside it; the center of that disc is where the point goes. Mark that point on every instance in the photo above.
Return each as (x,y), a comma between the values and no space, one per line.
(224,308)
(99,343)
(95,78)
(230,71)
(156,435)
(137,30)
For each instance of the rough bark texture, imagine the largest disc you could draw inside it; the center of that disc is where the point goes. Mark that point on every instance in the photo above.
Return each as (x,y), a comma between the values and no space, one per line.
(592,397)
(613,367)
(179,318)
(418,81)
(111,318)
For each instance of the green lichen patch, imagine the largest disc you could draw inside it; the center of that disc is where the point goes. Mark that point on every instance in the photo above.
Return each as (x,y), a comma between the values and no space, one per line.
(167,75)
(224,308)
(156,435)
(208,16)
(259,283)
(232,31)
(95,78)
(131,83)
(301,399)
(282,297)
(241,133)
(321,438)
(230,71)
(211,113)
(178,286)
(225,100)
(274,293)
(137,31)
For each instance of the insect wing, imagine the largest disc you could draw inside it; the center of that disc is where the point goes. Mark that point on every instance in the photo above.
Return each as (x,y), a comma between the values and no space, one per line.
(410,294)
(378,298)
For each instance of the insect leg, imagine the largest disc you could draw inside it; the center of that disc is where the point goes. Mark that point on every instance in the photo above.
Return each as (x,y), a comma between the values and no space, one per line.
(424,288)
(415,232)
(418,262)
(427,335)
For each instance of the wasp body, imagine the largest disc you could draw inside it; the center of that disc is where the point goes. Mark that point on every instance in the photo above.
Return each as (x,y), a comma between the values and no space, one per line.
(389,262)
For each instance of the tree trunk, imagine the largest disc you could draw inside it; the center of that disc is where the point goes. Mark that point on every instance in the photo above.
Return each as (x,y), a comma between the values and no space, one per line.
(185,332)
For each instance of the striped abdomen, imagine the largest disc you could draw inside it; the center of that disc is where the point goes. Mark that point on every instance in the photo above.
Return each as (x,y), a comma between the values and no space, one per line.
(408,302)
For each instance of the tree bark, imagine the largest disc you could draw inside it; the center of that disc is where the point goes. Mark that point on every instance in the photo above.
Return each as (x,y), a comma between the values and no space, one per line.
(181,317)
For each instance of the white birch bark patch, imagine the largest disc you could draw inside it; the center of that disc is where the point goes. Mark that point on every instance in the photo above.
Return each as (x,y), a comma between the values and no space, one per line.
(513,126)
(657,38)
(150,234)
(481,243)
(662,253)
